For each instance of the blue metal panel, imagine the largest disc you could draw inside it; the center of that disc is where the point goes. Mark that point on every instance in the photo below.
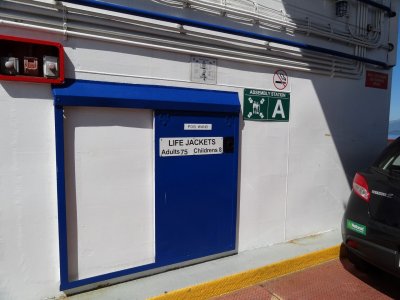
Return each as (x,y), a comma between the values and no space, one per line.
(110,94)
(196,196)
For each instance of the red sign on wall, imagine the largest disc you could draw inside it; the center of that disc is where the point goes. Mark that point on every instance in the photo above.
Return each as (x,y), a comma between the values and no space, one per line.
(376,80)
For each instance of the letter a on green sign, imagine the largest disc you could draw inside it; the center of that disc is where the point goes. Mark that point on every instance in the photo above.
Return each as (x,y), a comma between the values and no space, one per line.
(264,105)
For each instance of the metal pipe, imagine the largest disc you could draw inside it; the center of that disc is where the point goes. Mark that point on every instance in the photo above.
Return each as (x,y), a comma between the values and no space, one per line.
(314,63)
(314,28)
(319,70)
(219,28)
(390,12)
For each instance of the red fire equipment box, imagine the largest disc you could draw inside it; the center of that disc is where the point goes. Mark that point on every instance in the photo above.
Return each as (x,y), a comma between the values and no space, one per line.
(30,60)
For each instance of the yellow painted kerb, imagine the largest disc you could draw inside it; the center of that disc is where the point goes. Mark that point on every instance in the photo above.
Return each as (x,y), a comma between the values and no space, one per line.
(238,281)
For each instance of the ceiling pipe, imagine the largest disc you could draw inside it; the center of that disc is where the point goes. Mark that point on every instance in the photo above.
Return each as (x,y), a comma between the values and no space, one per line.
(389,11)
(223,29)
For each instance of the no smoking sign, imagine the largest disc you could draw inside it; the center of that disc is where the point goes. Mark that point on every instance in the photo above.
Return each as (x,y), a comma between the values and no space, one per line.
(281,79)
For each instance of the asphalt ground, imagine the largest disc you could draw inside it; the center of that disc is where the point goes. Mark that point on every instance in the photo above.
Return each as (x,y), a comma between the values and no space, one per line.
(335,279)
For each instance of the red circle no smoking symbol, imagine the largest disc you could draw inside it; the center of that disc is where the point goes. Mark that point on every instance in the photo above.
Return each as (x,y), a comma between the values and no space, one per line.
(280,79)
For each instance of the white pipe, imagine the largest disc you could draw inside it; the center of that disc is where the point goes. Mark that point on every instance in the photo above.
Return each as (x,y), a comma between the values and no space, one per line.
(278,50)
(317,61)
(280,55)
(304,57)
(141,44)
(344,37)
(123,24)
(176,50)
(279,22)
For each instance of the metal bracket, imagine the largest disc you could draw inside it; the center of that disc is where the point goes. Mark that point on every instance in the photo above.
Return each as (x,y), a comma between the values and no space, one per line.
(64,12)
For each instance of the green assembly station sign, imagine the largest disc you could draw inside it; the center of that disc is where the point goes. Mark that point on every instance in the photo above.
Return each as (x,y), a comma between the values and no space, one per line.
(261,105)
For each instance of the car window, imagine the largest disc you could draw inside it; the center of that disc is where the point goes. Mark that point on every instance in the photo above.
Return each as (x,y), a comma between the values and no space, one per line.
(396,162)
(391,162)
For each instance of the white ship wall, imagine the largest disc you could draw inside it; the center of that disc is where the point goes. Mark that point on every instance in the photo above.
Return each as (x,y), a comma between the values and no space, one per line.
(294,177)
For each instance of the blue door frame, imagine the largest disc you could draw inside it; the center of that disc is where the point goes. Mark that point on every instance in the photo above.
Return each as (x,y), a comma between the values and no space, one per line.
(193,105)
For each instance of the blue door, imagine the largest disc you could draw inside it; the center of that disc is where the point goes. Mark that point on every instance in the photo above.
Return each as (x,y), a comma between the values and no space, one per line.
(195,189)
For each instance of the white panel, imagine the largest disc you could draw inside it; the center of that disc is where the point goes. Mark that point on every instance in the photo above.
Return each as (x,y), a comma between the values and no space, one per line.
(109,175)
(263,183)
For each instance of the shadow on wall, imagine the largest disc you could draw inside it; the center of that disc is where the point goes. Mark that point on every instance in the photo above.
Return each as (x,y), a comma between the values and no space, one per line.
(356,121)
(338,126)
(356,116)
(27,90)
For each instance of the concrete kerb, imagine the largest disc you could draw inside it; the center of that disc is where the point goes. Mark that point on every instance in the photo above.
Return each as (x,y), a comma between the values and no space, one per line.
(251,277)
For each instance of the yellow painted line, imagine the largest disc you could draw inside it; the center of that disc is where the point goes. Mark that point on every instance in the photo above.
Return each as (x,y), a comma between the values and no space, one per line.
(248,278)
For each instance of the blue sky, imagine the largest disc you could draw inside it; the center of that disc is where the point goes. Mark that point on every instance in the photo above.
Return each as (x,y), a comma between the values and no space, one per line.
(395,98)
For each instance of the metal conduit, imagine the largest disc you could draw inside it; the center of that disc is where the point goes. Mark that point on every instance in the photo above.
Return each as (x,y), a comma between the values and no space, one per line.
(280,57)
(390,12)
(305,28)
(223,29)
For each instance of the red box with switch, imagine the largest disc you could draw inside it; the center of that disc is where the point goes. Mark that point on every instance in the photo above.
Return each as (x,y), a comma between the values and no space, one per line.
(30,60)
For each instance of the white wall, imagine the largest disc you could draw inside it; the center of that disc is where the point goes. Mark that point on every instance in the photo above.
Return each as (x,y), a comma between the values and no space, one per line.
(294,176)
(29,267)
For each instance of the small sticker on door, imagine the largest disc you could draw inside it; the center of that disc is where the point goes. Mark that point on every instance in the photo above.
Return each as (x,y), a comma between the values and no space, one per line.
(187,126)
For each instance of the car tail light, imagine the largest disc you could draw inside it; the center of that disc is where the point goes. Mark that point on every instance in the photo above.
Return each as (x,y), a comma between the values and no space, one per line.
(360,187)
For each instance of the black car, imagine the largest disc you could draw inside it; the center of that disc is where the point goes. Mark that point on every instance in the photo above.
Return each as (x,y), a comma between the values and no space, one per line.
(371,222)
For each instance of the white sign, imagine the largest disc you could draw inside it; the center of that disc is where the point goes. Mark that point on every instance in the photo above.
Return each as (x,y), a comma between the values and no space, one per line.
(183,146)
(197,126)
(204,70)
